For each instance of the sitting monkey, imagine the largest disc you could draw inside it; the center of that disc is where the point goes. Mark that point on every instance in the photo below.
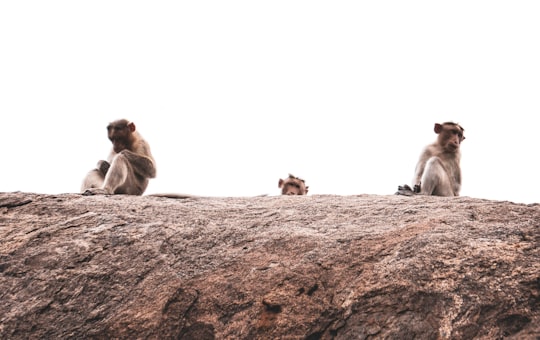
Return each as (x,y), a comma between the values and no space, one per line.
(129,167)
(438,171)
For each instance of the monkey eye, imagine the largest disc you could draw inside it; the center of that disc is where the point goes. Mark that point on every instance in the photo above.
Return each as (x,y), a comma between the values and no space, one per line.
(116,127)
(458,133)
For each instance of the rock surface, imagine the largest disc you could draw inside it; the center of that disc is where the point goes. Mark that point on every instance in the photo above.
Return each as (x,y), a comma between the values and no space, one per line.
(301,267)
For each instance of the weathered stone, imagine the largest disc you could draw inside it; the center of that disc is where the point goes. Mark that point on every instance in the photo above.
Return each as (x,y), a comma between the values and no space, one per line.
(313,267)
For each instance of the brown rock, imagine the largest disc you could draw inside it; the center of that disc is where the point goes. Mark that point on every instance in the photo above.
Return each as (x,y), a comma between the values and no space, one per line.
(300,267)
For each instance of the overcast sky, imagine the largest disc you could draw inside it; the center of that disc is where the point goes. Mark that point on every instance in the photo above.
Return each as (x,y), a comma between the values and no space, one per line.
(233,95)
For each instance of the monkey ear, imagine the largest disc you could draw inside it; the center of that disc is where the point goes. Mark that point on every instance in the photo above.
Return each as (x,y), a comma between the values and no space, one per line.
(437,128)
(131,127)
(280,184)
(307,189)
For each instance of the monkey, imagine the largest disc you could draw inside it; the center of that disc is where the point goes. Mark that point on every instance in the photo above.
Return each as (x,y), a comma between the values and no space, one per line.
(438,172)
(293,186)
(129,167)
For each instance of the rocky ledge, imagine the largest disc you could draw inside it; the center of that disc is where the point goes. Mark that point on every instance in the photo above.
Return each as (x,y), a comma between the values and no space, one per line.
(300,267)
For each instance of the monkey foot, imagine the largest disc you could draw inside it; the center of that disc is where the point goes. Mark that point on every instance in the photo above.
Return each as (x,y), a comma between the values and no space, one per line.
(95,191)
(405,190)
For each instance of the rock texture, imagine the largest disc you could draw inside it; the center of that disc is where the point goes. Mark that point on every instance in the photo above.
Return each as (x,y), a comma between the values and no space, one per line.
(303,267)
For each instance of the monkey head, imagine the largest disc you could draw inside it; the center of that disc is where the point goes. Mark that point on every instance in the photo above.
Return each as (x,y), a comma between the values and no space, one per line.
(120,133)
(293,186)
(450,136)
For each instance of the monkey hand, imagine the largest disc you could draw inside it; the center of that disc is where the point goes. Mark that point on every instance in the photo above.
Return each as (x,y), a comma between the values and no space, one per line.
(416,188)
(103,167)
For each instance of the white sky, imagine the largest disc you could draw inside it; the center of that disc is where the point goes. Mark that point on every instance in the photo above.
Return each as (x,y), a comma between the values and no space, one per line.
(233,95)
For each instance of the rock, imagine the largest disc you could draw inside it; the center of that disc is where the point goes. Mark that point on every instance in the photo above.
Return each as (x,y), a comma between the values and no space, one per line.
(303,267)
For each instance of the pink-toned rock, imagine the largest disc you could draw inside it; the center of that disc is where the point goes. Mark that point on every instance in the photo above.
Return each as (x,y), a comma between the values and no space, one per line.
(300,267)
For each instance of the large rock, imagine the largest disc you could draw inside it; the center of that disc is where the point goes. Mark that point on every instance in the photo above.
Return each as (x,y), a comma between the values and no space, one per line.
(314,267)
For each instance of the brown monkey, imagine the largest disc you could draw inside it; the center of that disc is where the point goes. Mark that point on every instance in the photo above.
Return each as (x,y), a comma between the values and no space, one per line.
(438,172)
(293,186)
(129,167)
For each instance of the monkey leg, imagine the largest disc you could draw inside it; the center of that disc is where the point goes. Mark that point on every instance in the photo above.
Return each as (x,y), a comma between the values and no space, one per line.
(435,180)
(405,190)
(95,177)
(121,178)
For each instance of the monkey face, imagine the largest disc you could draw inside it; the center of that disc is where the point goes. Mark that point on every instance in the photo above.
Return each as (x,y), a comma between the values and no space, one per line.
(120,134)
(293,187)
(455,137)
(450,136)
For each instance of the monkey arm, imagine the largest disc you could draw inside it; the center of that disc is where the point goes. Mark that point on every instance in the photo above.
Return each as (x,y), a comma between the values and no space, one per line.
(418,172)
(421,166)
(142,165)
